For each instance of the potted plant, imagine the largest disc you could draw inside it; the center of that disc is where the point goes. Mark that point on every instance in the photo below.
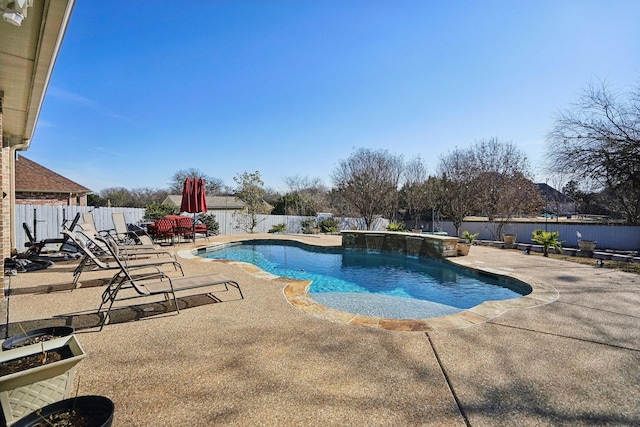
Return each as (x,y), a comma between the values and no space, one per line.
(585,245)
(464,246)
(548,239)
(396,226)
(36,375)
(77,411)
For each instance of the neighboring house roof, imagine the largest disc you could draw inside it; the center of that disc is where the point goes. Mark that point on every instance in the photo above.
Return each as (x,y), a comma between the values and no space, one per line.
(34,178)
(214,203)
(551,193)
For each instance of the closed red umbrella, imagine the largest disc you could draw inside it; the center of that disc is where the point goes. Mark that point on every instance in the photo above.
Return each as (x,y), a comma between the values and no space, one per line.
(201,196)
(187,196)
(194,199)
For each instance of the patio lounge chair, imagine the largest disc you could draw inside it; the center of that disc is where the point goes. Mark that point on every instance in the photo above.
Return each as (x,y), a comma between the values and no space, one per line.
(91,258)
(125,236)
(124,250)
(89,229)
(87,218)
(34,248)
(156,284)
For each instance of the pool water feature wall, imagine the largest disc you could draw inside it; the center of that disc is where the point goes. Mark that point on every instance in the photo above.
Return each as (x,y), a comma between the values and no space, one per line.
(414,244)
(374,242)
(433,246)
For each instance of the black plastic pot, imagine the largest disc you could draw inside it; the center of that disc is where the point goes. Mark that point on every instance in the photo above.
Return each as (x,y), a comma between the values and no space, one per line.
(99,406)
(20,339)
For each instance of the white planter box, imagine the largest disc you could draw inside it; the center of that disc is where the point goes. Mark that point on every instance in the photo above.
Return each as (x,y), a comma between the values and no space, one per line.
(24,392)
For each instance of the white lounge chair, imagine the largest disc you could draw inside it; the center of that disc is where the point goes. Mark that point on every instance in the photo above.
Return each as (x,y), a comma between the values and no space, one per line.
(156,284)
(91,258)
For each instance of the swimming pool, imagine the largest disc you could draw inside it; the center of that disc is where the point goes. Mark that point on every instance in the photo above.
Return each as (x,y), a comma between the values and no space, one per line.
(382,284)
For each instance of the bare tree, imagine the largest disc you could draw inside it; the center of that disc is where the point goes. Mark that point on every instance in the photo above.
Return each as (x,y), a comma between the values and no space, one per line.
(117,197)
(144,196)
(458,199)
(213,185)
(305,196)
(299,183)
(598,138)
(338,205)
(135,198)
(503,183)
(368,180)
(415,192)
(271,195)
(490,177)
(555,200)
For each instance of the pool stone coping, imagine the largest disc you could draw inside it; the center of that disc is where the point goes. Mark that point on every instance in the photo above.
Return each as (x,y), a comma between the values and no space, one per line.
(296,293)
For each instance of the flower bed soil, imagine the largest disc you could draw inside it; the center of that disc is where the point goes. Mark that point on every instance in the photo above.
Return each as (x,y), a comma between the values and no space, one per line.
(36,340)
(35,360)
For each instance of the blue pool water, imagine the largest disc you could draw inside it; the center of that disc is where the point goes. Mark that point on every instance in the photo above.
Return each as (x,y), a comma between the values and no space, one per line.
(376,284)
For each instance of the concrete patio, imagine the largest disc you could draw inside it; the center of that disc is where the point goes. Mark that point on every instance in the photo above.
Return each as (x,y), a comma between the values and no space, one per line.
(262,361)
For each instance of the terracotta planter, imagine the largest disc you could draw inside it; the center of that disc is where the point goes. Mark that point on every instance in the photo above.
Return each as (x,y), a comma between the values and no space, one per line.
(26,391)
(463,249)
(509,239)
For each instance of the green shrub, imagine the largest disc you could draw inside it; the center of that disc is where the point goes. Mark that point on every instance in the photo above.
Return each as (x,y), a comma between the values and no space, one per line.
(469,237)
(396,226)
(210,221)
(156,210)
(278,228)
(308,224)
(548,239)
(329,225)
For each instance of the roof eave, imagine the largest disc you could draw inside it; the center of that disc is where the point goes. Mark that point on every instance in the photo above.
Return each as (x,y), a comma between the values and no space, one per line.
(45,60)
(42,190)
(51,31)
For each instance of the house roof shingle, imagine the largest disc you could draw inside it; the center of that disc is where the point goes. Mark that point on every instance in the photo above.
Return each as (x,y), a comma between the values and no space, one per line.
(32,177)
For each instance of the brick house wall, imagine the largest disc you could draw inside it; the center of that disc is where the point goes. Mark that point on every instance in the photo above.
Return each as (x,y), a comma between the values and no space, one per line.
(50,199)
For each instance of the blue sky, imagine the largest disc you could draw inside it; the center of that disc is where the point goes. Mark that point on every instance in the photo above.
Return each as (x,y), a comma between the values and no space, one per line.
(143,89)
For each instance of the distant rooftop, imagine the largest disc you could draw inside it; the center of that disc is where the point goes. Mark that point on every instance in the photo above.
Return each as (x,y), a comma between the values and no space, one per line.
(551,193)
(32,177)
